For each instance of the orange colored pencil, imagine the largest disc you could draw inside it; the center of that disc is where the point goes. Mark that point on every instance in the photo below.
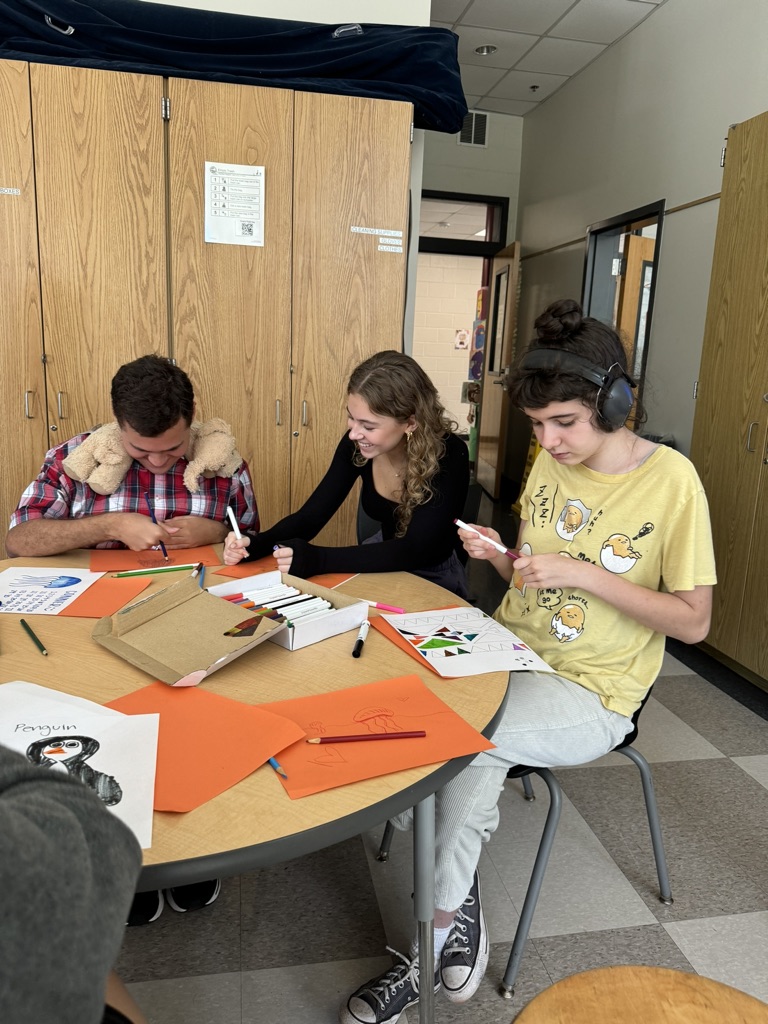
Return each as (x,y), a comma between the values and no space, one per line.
(369,736)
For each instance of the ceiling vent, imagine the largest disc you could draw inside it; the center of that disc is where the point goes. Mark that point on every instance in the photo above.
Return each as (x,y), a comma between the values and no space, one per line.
(474,130)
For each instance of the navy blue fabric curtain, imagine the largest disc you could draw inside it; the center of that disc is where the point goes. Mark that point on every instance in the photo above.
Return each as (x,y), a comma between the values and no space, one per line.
(394,62)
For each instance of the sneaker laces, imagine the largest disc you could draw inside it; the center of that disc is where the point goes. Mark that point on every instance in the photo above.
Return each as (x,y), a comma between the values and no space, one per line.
(457,941)
(400,975)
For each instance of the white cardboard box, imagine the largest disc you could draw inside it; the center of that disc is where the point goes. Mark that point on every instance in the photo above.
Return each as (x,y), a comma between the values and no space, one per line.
(349,611)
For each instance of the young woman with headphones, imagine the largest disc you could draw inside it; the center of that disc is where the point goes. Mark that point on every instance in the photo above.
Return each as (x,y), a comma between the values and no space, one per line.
(614,553)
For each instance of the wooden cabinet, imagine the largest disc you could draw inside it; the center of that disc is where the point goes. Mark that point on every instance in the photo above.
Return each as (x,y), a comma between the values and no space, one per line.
(730,437)
(105,260)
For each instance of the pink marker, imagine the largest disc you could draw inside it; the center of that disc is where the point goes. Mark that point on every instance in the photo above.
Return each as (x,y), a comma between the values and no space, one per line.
(499,547)
(384,607)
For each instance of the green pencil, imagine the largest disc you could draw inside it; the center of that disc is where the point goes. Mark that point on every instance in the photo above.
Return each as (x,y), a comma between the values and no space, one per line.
(151,572)
(35,639)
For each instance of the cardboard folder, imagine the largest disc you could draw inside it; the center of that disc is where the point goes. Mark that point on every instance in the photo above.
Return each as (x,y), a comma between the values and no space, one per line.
(179,634)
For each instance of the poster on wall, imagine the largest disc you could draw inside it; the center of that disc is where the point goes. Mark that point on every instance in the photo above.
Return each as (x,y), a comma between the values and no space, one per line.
(234,204)
(477,350)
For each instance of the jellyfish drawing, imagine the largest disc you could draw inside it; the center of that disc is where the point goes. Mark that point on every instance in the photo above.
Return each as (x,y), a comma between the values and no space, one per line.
(47,582)
(69,753)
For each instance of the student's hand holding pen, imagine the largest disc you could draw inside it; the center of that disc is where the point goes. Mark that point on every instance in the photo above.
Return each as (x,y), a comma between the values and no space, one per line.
(476,547)
(136,530)
(235,548)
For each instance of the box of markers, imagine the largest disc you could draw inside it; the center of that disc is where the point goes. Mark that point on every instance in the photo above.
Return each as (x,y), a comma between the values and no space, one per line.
(344,613)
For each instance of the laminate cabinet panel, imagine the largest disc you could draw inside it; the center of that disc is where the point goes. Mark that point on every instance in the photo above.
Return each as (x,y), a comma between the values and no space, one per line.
(99,166)
(22,383)
(351,176)
(232,303)
(731,415)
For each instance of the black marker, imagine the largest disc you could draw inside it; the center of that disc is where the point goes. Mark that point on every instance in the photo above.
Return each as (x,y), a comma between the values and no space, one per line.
(357,650)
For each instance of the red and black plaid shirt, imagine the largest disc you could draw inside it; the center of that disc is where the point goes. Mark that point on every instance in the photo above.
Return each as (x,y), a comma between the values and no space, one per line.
(54,495)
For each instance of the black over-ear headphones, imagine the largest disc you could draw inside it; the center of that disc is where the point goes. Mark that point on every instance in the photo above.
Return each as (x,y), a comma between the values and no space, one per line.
(615,399)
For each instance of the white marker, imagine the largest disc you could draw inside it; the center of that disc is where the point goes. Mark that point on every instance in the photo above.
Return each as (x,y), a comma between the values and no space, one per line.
(235,527)
(495,544)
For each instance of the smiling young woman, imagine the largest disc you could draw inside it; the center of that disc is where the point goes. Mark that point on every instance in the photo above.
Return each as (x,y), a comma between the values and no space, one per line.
(414,472)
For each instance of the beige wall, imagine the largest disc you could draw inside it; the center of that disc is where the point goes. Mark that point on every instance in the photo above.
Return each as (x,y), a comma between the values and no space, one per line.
(490,171)
(645,122)
(446,300)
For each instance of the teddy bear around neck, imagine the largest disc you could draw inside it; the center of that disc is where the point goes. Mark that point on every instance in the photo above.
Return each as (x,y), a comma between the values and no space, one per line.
(102,462)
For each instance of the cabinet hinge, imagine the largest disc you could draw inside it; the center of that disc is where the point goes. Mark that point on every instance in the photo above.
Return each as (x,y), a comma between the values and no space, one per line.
(618,267)
(695,389)
(44,359)
(722,152)
(411,139)
(165,108)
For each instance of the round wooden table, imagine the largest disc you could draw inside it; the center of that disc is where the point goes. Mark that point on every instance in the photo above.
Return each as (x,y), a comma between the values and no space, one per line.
(647,995)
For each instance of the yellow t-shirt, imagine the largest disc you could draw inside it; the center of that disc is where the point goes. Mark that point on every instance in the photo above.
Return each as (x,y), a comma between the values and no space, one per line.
(650,525)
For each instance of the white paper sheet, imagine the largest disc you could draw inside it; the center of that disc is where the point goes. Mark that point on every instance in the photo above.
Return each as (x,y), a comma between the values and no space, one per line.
(465,642)
(42,591)
(114,754)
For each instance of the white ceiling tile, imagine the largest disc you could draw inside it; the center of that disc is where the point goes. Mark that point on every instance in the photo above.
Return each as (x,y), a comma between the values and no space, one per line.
(601,21)
(441,24)
(479,81)
(513,107)
(447,10)
(511,46)
(516,85)
(471,100)
(535,16)
(560,56)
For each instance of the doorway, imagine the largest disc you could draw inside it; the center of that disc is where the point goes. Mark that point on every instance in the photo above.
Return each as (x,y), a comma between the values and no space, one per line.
(458,235)
(620,278)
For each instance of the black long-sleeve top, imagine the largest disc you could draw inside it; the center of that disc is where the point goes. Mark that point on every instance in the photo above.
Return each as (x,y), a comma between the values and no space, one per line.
(429,540)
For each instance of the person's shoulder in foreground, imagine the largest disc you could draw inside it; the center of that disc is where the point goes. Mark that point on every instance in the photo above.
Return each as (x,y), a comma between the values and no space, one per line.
(98,489)
(68,869)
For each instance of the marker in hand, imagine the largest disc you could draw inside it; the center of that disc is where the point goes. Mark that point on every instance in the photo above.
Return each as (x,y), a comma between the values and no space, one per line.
(495,544)
(233,521)
(357,650)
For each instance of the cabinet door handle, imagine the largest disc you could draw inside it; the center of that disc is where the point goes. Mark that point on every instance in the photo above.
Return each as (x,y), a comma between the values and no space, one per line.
(303,414)
(752,426)
(278,421)
(60,404)
(27,413)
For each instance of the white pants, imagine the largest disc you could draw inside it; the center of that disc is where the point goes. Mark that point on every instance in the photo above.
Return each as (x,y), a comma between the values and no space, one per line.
(548,721)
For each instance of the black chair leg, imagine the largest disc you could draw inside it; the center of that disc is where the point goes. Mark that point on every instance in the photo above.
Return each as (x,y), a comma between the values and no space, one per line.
(507,988)
(528,788)
(386,842)
(665,892)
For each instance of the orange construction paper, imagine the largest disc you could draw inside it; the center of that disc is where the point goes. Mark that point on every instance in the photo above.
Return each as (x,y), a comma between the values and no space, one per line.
(332,579)
(107,596)
(380,623)
(268,564)
(206,743)
(117,560)
(254,568)
(404,704)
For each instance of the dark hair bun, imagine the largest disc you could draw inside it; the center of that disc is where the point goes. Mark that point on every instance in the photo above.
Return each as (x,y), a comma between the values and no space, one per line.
(559,320)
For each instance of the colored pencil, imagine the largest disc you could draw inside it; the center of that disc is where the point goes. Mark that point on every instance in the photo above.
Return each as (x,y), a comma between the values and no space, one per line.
(493,543)
(33,637)
(384,607)
(151,572)
(154,520)
(369,736)
(278,767)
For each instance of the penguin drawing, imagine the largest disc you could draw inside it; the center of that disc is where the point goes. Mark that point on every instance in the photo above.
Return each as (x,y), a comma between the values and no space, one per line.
(69,753)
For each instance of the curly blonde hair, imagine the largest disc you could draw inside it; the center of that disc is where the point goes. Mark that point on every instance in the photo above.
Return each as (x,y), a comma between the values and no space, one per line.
(393,384)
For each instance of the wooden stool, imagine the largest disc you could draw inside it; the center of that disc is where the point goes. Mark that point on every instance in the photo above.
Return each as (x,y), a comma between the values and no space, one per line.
(646,995)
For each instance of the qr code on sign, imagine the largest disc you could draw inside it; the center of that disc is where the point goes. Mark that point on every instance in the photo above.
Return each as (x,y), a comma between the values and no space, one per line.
(247,228)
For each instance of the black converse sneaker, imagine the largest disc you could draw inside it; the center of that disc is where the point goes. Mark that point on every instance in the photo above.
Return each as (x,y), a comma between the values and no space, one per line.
(465,954)
(383,999)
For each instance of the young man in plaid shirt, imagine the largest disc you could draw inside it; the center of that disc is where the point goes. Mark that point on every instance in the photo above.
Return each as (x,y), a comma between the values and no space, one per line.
(154,406)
